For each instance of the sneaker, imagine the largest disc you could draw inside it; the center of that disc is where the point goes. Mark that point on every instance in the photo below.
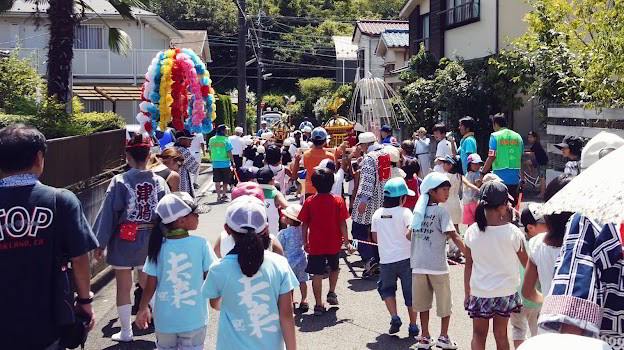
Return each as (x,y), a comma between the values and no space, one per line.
(425,343)
(395,325)
(332,298)
(444,342)
(122,337)
(319,310)
(413,330)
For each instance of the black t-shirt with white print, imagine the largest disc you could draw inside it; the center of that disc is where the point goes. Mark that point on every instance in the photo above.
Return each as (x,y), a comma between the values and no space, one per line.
(33,219)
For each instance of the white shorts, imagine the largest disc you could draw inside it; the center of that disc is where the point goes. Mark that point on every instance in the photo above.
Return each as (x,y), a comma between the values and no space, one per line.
(524,324)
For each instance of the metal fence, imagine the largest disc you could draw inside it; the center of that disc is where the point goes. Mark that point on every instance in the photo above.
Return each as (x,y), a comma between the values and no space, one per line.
(71,160)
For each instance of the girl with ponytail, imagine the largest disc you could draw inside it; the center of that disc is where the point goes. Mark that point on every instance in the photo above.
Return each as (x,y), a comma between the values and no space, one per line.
(251,286)
(176,259)
(494,247)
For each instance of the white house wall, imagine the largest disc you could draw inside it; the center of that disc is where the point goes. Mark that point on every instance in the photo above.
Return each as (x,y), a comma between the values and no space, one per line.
(424,7)
(372,62)
(473,40)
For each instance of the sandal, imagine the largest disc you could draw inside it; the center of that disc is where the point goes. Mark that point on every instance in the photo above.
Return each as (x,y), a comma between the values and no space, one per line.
(332,298)
(425,343)
(319,310)
(304,307)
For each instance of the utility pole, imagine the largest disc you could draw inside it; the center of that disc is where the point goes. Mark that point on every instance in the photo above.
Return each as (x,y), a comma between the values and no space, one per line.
(260,69)
(241,117)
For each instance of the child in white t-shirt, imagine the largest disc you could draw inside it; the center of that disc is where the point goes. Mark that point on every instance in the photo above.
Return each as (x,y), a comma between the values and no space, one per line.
(494,250)
(543,249)
(525,322)
(389,227)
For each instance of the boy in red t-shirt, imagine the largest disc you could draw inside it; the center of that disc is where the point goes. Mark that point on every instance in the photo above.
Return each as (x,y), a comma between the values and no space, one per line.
(324,227)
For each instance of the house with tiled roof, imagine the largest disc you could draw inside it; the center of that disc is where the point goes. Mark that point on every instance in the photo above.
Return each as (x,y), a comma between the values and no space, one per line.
(366,35)
(102,79)
(393,48)
(196,40)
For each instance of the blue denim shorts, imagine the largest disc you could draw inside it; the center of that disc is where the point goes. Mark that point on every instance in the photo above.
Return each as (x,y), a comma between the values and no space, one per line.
(388,276)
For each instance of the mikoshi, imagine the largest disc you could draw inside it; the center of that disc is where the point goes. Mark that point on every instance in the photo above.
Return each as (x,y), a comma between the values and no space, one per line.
(172,77)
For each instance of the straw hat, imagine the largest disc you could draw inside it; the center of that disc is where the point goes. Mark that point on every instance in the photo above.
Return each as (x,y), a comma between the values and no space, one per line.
(292,212)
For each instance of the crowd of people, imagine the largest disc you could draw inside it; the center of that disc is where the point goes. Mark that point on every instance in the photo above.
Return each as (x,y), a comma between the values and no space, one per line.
(415,207)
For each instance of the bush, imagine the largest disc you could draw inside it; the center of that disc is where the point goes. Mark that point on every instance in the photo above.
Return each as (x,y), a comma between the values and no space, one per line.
(96,122)
(81,124)
(20,84)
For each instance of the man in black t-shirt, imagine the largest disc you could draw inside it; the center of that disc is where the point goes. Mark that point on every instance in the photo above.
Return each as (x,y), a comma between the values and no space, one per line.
(41,228)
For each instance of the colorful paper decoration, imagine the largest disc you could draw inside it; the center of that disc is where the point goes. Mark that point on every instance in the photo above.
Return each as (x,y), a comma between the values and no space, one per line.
(172,77)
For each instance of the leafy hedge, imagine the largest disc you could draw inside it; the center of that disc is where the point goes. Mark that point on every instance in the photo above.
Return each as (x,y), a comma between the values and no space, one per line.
(80,124)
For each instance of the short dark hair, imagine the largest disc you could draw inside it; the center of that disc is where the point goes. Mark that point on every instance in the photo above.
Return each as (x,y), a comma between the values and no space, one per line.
(468,123)
(411,167)
(444,184)
(323,180)
(499,119)
(19,146)
(391,202)
(319,142)
(441,128)
(273,154)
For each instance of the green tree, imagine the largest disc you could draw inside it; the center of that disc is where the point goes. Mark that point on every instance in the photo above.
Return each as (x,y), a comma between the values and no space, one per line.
(19,85)
(312,89)
(576,47)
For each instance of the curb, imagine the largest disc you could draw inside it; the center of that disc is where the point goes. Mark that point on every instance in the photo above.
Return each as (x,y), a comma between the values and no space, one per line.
(99,281)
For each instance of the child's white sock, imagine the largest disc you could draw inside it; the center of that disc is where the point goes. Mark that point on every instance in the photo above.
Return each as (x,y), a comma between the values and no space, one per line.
(125,315)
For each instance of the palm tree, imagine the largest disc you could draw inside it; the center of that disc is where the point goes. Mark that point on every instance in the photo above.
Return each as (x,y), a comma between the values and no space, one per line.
(63,19)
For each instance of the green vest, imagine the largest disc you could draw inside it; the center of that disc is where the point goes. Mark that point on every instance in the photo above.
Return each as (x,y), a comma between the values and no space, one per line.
(218,150)
(509,149)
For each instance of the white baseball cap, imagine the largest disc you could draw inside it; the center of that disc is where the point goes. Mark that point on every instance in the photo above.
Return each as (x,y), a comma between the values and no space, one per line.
(359,127)
(267,135)
(395,154)
(173,206)
(260,149)
(246,213)
(598,146)
(307,129)
(367,137)
(238,129)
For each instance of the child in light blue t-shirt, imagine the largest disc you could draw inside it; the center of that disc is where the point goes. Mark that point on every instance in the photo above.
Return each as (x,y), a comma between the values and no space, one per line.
(252,287)
(176,266)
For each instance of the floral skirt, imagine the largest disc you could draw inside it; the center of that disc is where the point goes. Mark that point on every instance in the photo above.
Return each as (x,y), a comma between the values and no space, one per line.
(488,307)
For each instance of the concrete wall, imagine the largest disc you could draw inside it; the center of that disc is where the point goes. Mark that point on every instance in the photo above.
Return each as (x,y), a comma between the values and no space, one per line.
(476,39)
(511,22)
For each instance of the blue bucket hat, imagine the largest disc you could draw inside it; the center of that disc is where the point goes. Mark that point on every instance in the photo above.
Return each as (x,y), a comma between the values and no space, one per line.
(397,187)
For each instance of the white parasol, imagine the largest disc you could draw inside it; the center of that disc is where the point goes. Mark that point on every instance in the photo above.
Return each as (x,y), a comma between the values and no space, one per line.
(597,192)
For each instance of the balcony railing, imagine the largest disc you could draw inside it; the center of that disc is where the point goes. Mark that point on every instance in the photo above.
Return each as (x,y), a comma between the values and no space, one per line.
(95,63)
(463,14)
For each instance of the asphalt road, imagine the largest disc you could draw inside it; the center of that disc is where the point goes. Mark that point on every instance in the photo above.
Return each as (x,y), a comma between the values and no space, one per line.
(360,322)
